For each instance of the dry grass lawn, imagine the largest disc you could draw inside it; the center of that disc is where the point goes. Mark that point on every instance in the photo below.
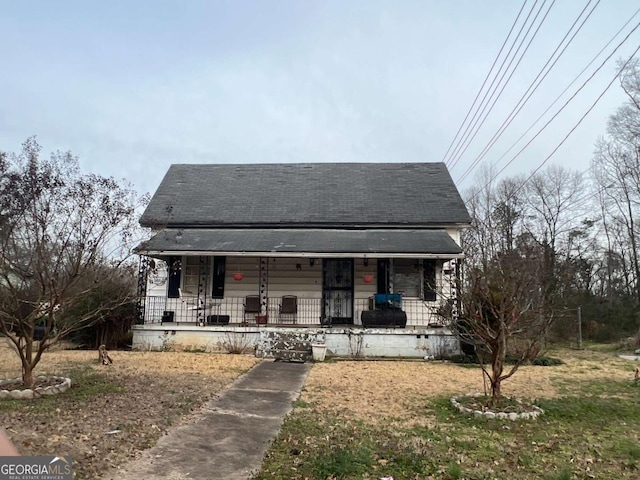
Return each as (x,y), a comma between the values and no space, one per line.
(381,390)
(393,406)
(374,419)
(142,395)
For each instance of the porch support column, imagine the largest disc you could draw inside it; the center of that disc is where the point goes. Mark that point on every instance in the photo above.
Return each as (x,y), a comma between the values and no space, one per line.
(141,290)
(264,285)
(455,293)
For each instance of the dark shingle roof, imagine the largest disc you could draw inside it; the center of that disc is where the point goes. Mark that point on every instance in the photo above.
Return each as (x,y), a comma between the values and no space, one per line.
(306,194)
(301,240)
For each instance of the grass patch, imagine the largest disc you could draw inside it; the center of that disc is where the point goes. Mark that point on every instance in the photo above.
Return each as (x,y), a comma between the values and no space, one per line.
(542,361)
(563,474)
(592,431)
(320,447)
(342,462)
(86,384)
(454,472)
(591,410)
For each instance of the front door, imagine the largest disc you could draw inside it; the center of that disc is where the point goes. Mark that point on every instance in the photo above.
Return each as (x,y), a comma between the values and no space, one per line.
(337,291)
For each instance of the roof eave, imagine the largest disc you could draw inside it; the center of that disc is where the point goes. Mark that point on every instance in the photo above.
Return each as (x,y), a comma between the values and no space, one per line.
(319,225)
(164,253)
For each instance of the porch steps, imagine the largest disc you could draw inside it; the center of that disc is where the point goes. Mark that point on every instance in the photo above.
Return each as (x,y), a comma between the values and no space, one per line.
(290,346)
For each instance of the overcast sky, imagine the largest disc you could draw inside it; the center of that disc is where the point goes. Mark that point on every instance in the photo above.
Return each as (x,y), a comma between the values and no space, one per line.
(131,87)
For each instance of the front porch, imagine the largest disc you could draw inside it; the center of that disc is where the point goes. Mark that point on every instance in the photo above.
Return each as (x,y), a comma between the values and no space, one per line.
(207,290)
(282,311)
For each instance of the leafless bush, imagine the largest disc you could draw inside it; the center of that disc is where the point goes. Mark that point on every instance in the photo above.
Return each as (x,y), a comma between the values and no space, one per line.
(237,343)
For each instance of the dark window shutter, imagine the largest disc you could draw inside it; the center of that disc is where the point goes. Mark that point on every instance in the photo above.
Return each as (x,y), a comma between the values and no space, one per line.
(175,273)
(429,269)
(219,268)
(383,275)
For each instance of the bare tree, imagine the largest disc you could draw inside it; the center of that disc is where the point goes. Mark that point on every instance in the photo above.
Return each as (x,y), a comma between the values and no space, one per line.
(616,169)
(519,238)
(62,236)
(500,306)
(496,212)
(555,200)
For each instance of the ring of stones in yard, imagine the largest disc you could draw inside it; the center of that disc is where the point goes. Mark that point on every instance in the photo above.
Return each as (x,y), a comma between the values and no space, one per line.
(531,415)
(59,385)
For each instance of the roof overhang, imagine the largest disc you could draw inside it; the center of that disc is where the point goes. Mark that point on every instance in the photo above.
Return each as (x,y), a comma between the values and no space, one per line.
(315,243)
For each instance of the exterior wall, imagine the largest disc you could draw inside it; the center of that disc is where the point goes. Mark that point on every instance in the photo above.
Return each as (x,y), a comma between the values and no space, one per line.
(361,290)
(287,276)
(455,234)
(341,342)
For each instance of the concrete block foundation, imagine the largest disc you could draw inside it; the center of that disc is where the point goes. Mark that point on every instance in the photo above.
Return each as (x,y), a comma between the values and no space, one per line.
(272,342)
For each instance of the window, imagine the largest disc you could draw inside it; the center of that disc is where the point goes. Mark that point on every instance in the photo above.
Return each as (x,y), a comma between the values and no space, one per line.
(429,285)
(175,274)
(217,282)
(406,277)
(196,274)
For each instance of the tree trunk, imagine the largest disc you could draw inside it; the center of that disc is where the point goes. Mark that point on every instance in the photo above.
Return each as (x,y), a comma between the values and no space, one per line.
(497,365)
(27,363)
(27,374)
(496,392)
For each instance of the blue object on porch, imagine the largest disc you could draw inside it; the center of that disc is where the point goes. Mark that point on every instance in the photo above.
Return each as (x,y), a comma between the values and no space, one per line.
(387,301)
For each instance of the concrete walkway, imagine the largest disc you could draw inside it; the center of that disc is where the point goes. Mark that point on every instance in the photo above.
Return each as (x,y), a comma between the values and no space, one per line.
(229,441)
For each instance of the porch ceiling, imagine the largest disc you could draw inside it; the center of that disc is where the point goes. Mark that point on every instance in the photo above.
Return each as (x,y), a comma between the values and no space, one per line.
(303,242)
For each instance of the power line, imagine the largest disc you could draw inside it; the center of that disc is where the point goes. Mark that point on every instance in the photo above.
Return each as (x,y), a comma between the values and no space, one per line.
(532,88)
(564,106)
(485,80)
(491,70)
(568,86)
(474,121)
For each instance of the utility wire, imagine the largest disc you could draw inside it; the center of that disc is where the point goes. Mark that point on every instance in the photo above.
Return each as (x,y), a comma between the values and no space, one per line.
(475,100)
(491,70)
(532,87)
(462,146)
(566,88)
(563,107)
(581,118)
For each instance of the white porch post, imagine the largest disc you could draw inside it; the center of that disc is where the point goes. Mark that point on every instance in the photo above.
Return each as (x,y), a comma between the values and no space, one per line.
(264,285)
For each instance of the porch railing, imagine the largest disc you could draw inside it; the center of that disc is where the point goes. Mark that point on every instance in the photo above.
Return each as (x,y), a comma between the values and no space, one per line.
(234,311)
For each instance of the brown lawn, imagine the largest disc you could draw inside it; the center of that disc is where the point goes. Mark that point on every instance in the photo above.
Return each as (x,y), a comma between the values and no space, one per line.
(376,391)
(145,393)
(142,395)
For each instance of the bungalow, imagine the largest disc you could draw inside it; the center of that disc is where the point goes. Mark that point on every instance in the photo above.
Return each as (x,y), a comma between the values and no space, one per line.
(322,246)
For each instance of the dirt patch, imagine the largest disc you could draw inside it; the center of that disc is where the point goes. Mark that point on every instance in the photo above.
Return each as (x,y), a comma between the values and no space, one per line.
(112,413)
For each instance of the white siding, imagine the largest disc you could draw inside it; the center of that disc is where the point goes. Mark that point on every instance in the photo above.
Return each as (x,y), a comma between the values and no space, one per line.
(362,289)
(454,233)
(287,276)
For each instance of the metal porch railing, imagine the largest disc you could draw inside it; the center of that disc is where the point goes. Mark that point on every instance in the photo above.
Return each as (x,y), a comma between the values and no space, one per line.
(233,311)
